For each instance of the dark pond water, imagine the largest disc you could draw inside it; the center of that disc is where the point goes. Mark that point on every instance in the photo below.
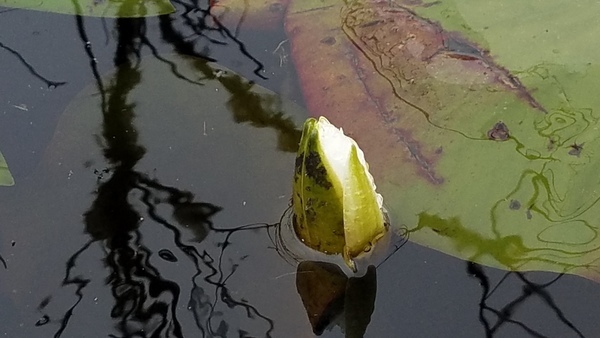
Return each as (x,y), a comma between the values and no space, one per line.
(149,185)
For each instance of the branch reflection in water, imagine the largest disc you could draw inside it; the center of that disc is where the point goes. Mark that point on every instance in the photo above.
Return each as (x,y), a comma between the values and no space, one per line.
(49,83)
(145,302)
(494,319)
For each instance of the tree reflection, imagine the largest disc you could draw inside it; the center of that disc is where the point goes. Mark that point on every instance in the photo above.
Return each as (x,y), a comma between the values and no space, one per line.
(145,302)
(201,21)
(504,315)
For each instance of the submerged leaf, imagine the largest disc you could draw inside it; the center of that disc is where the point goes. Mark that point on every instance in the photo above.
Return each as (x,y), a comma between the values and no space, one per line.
(6,178)
(102,8)
(255,14)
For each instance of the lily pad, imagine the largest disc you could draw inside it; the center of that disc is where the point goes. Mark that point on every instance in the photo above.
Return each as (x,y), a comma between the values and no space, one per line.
(6,178)
(102,8)
(489,156)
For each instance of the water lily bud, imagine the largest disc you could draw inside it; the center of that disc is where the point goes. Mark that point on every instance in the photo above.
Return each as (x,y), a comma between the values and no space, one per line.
(336,207)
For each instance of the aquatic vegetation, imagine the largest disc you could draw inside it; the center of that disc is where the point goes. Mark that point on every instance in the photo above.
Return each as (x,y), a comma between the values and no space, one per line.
(471,158)
(482,145)
(102,8)
(336,207)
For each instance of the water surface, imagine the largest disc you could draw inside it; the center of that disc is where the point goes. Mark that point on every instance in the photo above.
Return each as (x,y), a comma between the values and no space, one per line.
(148,186)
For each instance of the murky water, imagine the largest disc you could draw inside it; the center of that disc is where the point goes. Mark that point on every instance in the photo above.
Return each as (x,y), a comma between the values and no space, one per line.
(149,180)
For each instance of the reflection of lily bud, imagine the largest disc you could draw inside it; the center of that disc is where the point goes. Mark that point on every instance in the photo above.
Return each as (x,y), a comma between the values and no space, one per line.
(331,298)
(195,216)
(336,207)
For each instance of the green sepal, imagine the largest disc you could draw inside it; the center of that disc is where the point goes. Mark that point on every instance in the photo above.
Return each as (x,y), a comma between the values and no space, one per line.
(317,199)
(363,217)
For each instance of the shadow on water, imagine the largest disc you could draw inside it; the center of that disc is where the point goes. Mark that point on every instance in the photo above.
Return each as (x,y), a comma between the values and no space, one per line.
(145,302)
